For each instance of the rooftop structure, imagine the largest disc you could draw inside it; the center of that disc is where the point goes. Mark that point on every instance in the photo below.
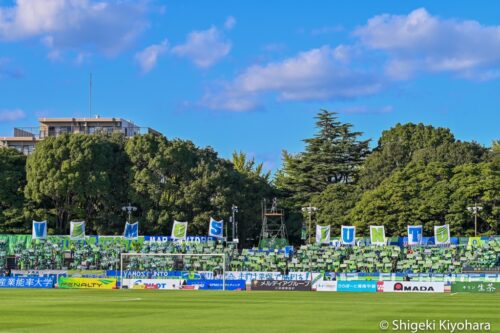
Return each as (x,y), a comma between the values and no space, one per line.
(25,139)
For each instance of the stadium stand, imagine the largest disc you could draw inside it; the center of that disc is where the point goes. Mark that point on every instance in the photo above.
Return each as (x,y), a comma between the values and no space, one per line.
(316,258)
(3,254)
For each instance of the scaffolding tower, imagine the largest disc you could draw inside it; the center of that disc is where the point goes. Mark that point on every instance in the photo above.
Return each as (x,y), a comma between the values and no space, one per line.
(273,234)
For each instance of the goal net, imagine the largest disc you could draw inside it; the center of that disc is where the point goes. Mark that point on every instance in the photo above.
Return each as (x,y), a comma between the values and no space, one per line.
(172,271)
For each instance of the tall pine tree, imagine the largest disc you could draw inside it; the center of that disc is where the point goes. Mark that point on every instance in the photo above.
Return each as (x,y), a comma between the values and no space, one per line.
(333,156)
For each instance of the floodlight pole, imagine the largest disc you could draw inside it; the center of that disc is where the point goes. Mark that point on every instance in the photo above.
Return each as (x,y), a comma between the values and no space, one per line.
(310,209)
(475,210)
(129,209)
(234,210)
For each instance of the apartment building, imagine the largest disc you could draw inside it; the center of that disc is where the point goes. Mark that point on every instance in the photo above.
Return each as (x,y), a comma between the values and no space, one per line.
(25,139)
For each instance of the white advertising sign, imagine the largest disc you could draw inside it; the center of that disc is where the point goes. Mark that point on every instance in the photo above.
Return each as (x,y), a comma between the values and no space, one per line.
(326,286)
(413,287)
(164,284)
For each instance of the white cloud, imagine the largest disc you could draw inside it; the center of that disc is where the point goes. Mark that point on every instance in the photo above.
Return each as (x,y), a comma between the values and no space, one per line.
(11,115)
(108,27)
(230,23)
(148,57)
(319,74)
(422,42)
(204,48)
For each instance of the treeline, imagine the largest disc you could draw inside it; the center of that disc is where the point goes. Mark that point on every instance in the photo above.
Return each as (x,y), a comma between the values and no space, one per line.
(416,174)
(91,177)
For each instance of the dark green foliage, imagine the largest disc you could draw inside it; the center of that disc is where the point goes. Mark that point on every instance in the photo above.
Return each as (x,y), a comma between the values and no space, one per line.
(12,182)
(177,180)
(431,194)
(417,174)
(78,176)
(333,156)
(396,148)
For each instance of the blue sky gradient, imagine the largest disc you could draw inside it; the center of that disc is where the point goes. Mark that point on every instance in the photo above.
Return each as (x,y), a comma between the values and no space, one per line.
(250,75)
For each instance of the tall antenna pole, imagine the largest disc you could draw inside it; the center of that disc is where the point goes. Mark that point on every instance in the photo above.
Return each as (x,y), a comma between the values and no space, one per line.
(90,96)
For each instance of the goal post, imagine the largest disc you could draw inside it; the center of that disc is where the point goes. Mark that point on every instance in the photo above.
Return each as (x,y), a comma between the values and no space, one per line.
(172,266)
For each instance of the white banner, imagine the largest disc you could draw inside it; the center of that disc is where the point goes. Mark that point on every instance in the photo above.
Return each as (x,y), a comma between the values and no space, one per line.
(39,230)
(442,234)
(326,286)
(322,234)
(179,230)
(164,284)
(77,230)
(377,235)
(413,287)
(348,235)
(415,234)
(131,231)
(249,276)
(216,228)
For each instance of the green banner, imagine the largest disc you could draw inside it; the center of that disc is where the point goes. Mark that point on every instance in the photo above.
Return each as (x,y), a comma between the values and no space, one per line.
(65,242)
(475,287)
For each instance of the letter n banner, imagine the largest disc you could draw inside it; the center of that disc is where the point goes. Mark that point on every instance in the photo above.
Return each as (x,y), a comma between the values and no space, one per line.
(377,235)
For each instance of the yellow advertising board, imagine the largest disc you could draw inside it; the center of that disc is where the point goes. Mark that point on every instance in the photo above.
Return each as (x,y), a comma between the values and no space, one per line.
(86,283)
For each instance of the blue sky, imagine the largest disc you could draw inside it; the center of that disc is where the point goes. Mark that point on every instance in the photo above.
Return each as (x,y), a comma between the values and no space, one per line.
(250,75)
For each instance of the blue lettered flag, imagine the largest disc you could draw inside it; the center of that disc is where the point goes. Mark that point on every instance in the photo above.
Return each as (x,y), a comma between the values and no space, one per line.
(39,230)
(415,233)
(131,231)
(216,228)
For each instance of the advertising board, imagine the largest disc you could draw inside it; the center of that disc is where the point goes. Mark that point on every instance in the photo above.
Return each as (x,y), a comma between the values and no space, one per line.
(85,283)
(413,287)
(475,287)
(326,286)
(281,285)
(163,284)
(26,282)
(357,286)
(217,284)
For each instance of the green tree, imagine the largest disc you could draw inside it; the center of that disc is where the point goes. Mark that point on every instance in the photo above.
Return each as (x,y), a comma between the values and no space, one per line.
(12,182)
(334,155)
(245,165)
(334,204)
(175,180)
(396,148)
(79,177)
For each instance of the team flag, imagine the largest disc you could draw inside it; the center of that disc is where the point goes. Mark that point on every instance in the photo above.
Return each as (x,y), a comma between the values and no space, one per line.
(131,231)
(322,234)
(215,229)
(348,235)
(442,234)
(474,241)
(179,230)
(377,235)
(77,230)
(39,230)
(415,233)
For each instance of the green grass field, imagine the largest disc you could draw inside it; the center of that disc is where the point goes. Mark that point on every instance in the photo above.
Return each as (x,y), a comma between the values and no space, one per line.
(148,311)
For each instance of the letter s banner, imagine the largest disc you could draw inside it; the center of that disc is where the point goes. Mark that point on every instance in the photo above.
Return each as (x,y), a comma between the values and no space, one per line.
(85,283)
(413,287)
